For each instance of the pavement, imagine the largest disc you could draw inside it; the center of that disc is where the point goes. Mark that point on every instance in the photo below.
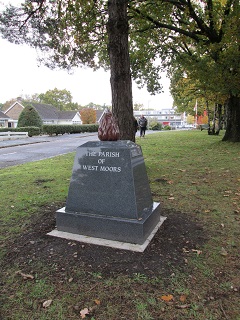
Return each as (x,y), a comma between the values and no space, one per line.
(16,141)
(21,141)
(13,141)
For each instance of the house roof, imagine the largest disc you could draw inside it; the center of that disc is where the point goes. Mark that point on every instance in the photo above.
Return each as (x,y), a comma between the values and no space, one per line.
(49,112)
(63,115)
(12,106)
(46,111)
(3,116)
(99,114)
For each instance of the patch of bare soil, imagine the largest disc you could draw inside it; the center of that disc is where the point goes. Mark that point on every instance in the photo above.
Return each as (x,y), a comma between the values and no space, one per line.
(166,252)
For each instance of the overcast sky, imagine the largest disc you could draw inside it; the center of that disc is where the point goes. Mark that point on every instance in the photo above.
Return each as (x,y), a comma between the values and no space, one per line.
(21,74)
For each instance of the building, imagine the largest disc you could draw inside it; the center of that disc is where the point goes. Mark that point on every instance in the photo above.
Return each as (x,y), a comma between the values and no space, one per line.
(48,113)
(165,117)
(3,120)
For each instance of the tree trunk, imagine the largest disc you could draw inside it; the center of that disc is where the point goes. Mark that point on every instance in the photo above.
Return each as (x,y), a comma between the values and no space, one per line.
(232,120)
(121,83)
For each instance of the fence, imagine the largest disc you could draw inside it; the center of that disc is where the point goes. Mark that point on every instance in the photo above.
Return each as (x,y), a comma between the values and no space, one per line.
(13,135)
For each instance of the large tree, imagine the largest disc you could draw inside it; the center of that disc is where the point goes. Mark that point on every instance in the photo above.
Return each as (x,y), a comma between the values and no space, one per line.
(202,38)
(196,35)
(74,33)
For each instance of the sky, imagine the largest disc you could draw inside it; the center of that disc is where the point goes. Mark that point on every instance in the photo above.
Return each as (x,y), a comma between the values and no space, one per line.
(21,74)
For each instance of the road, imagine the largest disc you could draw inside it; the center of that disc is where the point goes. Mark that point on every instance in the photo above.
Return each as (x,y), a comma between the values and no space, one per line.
(21,151)
(15,152)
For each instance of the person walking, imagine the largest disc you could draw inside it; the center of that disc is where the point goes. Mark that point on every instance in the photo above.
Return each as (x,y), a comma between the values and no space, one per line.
(143,125)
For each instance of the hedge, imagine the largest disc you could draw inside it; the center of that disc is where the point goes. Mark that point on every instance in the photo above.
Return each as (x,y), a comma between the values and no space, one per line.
(54,129)
(61,129)
(32,131)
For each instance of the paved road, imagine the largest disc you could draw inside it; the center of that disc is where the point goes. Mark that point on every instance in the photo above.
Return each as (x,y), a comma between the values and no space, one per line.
(15,152)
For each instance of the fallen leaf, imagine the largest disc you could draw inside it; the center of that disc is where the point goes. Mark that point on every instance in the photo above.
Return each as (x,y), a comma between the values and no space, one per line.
(197,251)
(25,276)
(167,298)
(171,198)
(183,298)
(223,252)
(47,303)
(83,313)
(97,301)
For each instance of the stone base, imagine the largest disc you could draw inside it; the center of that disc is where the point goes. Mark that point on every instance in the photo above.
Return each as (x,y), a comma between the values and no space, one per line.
(111,228)
(108,243)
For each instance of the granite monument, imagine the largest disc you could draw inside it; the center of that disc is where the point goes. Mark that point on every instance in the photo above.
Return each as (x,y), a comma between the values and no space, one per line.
(109,194)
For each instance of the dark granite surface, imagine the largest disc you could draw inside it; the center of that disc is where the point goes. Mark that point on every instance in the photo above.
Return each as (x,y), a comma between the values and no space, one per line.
(109,194)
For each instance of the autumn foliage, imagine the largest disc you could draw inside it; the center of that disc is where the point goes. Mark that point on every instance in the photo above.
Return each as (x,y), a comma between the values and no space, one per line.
(88,116)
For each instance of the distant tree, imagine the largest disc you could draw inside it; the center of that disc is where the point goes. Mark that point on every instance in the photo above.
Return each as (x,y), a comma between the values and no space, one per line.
(88,115)
(186,88)
(190,119)
(7,104)
(31,97)
(90,105)
(29,117)
(138,106)
(61,99)
(204,119)
(96,106)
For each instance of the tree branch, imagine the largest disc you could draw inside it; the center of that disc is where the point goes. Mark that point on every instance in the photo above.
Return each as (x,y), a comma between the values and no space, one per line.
(32,13)
(210,33)
(159,25)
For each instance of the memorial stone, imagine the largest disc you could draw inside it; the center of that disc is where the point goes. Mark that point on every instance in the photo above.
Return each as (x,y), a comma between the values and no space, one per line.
(109,195)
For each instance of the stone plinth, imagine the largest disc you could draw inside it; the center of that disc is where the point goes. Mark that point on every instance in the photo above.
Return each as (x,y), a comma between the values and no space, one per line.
(109,195)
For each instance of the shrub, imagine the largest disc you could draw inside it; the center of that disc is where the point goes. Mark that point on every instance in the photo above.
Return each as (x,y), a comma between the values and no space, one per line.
(167,128)
(29,117)
(157,126)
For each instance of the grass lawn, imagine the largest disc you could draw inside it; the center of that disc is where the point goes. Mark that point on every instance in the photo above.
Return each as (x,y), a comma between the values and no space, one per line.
(190,270)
